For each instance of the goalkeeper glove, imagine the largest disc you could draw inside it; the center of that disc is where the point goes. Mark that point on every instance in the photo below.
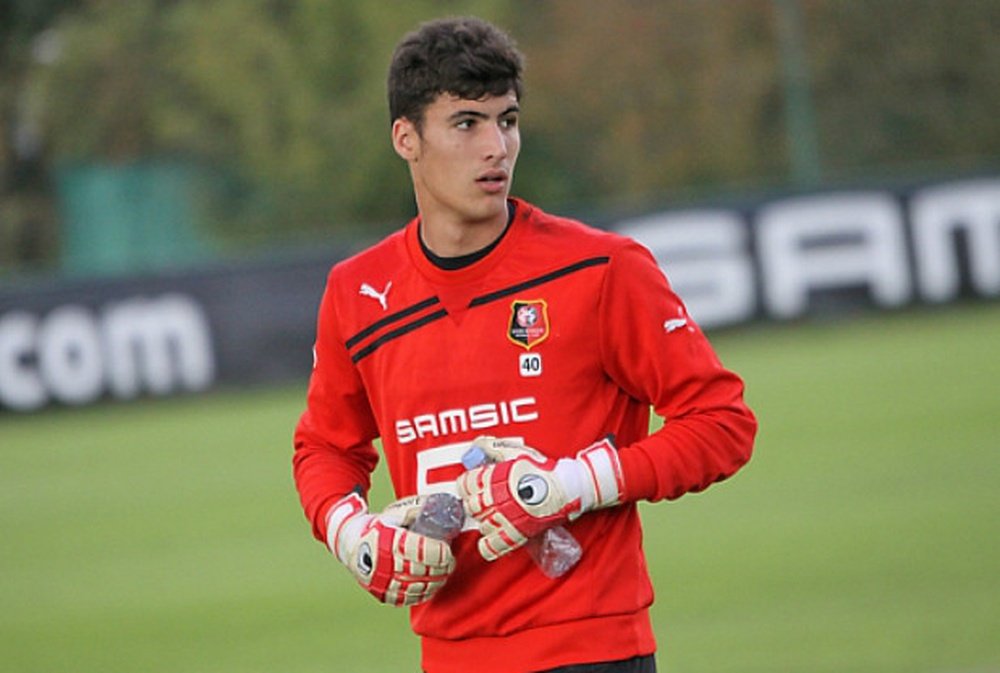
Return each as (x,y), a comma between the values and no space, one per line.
(397,566)
(521,492)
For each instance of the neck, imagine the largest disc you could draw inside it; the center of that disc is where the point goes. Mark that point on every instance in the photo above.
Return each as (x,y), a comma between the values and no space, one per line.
(447,238)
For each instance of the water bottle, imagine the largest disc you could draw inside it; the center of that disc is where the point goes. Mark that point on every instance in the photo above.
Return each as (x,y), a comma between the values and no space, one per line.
(554,550)
(440,517)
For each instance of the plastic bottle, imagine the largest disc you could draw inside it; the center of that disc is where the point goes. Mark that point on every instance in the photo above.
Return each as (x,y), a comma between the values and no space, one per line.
(440,517)
(555,550)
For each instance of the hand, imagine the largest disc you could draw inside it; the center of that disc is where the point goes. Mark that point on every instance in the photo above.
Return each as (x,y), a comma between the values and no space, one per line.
(521,492)
(393,564)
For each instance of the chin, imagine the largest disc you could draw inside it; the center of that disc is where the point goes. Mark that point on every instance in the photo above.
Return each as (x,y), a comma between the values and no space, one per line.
(483,211)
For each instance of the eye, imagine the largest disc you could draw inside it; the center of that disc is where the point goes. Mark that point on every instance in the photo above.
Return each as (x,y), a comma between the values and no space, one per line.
(465,124)
(532,489)
(508,122)
(365,563)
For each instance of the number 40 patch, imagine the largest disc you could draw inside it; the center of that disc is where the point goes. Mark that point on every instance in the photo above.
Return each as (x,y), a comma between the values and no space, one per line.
(530,364)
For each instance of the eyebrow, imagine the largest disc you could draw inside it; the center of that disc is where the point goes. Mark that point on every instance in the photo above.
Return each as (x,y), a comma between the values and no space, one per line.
(481,115)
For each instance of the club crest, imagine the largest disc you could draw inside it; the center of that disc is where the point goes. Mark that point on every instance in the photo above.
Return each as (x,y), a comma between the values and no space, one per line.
(529,323)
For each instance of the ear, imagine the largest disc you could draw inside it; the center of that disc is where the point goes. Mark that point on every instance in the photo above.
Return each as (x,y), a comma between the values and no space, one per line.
(405,138)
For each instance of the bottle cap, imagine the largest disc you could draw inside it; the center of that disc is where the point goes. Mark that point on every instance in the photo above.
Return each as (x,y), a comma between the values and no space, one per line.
(474,457)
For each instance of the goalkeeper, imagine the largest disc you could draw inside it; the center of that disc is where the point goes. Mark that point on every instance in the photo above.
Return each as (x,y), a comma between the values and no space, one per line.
(485,315)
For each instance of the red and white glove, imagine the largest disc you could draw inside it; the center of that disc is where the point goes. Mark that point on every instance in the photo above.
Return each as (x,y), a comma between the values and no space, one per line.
(397,566)
(521,492)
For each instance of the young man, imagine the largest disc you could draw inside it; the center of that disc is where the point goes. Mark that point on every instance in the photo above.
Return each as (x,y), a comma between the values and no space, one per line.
(488,316)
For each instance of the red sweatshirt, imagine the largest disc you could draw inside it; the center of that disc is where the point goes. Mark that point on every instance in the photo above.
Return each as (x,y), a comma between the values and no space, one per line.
(563,334)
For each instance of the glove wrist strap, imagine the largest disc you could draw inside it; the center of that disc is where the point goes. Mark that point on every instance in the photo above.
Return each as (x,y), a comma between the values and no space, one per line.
(599,462)
(338,529)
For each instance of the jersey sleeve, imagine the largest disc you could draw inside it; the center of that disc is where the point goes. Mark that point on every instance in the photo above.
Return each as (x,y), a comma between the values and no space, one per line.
(656,353)
(334,454)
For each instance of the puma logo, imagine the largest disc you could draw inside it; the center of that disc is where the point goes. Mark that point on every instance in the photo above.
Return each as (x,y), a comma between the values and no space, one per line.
(675,324)
(381,297)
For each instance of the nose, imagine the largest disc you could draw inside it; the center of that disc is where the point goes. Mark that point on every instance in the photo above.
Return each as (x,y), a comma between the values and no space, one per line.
(494,143)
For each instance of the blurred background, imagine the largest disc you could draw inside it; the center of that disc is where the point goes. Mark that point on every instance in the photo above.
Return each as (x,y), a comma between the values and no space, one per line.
(150,134)
(819,178)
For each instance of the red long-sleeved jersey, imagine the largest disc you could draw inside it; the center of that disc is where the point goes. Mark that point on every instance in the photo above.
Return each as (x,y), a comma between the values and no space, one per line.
(561,335)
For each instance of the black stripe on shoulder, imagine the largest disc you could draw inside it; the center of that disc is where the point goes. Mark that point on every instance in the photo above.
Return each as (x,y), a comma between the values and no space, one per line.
(534,282)
(389,319)
(417,323)
(398,332)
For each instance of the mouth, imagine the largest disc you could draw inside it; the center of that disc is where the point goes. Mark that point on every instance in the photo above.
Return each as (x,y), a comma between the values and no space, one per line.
(493,180)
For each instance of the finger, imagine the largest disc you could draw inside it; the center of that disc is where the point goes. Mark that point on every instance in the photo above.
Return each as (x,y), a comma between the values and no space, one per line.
(402,512)
(419,592)
(493,450)
(395,593)
(474,490)
(491,547)
(419,555)
(487,550)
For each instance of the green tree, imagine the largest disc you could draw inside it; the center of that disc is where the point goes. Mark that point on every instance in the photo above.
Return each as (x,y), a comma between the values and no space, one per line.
(27,216)
(905,83)
(284,99)
(632,100)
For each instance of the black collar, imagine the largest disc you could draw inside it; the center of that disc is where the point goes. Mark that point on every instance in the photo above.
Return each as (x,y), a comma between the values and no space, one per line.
(462,261)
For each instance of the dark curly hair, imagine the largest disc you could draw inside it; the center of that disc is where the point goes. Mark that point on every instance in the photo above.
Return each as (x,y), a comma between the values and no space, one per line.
(466,57)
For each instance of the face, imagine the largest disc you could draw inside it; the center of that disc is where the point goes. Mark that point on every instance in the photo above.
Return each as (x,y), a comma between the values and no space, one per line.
(462,159)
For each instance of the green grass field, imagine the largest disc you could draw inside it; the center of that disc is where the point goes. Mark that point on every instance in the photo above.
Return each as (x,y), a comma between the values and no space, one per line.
(863,536)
